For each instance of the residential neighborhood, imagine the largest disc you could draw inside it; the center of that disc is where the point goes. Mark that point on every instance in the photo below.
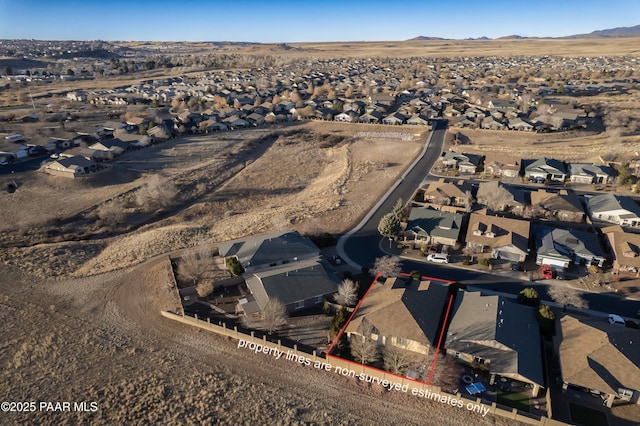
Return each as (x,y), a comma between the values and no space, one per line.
(261,188)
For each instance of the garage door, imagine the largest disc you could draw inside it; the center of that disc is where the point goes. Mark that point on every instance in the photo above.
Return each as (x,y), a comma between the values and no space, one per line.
(513,257)
(555,262)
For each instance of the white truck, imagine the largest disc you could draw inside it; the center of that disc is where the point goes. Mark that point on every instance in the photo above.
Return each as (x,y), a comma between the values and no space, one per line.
(17,137)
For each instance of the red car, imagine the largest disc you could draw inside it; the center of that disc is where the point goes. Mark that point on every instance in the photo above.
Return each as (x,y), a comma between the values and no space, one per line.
(546,272)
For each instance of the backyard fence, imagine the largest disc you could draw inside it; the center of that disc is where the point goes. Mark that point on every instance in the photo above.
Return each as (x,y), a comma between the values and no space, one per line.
(352,369)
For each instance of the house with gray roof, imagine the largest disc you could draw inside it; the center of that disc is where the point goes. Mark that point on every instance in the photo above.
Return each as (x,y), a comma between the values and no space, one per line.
(72,166)
(299,285)
(465,163)
(591,173)
(269,250)
(405,316)
(615,209)
(499,333)
(433,226)
(546,168)
(562,247)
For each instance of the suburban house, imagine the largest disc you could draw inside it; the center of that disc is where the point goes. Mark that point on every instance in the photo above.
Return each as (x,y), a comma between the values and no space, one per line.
(433,226)
(401,315)
(625,248)
(562,247)
(591,173)
(616,209)
(499,169)
(418,120)
(564,206)
(498,333)
(71,166)
(114,146)
(520,125)
(506,238)
(464,163)
(491,123)
(547,169)
(441,193)
(599,357)
(299,285)
(395,119)
(269,250)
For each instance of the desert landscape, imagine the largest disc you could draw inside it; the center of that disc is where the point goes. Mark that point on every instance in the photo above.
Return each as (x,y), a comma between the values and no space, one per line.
(84,262)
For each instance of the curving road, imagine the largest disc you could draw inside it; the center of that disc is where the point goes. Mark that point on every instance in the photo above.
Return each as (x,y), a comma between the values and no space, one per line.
(362,245)
(359,247)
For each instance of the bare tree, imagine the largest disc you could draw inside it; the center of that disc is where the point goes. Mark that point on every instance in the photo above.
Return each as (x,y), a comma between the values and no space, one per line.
(194,265)
(347,293)
(567,296)
(396,360)
(274,315)
(468,201)
(494,198)
(157,193)
(388,266)
(446,373)
(204,288)
(111,213)
(363,348)
(472,251)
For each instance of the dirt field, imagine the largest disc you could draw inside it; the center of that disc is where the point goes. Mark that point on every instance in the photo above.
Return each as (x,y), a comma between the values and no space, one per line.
(101,338)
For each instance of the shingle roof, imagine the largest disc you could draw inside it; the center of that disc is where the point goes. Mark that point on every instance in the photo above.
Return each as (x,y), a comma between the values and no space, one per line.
(561,201)
(293,282)
(500,331)
(396,310)
(547,165)
(430,222)
(507,231)
(566,242)
(598,355)
(611,202)
(270,248)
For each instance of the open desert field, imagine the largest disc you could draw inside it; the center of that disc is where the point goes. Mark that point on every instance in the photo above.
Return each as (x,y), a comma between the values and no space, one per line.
(93,335)
(447,48)
(311,177)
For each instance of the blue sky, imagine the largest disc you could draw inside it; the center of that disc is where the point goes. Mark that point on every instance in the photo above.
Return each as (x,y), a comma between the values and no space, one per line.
(291,21)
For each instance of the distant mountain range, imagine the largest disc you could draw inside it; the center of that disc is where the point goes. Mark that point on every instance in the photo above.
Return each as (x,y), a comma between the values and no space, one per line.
(610,33)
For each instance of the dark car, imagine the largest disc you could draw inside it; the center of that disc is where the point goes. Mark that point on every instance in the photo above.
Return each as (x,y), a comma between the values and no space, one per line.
(37,151)
(516,266)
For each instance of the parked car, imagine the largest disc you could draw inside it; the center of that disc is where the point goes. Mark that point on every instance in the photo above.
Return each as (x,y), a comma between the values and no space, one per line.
(616,319)
(516,266)
(546,272)
(438,258)
(37,151)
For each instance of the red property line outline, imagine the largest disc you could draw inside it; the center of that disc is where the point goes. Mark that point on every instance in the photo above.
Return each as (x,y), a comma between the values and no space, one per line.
(444,323)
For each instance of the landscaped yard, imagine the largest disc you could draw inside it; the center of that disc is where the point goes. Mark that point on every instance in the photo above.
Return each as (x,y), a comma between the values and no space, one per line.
(516,400)
(587,416)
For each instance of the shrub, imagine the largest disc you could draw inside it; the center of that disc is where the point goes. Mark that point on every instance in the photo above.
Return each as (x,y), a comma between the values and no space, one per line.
(529,296)
(484,261)
(466,262)
(234,266)
(545,318)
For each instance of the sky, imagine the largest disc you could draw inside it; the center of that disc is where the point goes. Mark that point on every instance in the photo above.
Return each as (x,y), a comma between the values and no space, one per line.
(307,21)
